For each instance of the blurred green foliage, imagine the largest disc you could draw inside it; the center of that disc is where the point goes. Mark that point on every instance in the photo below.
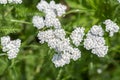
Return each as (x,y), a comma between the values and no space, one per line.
(34,59)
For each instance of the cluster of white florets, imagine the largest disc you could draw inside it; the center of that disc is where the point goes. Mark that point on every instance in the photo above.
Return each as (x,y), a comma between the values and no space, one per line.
(63,58)
(77,36)
(111,27)
(95,41)
(56,39)
(10,46)
(10,1)
(52,11)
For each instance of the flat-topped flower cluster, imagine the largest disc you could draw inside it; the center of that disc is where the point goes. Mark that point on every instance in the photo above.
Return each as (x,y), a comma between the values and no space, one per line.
(10,1)
(10,46)
(56,38)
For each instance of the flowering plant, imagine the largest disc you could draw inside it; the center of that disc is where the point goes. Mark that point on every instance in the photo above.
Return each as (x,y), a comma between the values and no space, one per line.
(72,33)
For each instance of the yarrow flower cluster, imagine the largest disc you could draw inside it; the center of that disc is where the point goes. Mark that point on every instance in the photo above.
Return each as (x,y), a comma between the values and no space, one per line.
(51,11)
(95,41)
(77,35)
(57,41)
(56,38)
(10,46)
(10,1)
(111,27)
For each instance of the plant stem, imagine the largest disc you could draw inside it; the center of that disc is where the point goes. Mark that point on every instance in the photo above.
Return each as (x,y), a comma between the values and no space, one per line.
(3,54)
(20,21)
(59,74)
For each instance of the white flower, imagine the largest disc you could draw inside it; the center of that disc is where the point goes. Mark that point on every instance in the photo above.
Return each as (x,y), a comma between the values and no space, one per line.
(51,11)
(5,40)
(38,22)
(58,61)
(60,9)
(43,5)
(3,1)
(97,30)
(59,45)
(75,54)
(111,27)
(11,47)
(45,36)
(52,21)
(61,59)
(52,4)
(17,1)
(60,33)
(77,36)
(56,40)
(101,51)
(12,53)
(95,41)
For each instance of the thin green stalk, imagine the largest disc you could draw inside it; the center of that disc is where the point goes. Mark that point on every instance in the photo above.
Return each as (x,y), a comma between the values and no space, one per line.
(3,54)
(59,74)
(20,21)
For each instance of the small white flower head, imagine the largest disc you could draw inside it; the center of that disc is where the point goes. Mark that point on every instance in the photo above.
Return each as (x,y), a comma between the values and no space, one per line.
(60,33)
(77,35)
(38,22)
(96,42)
(12,53)
(89,43)
(43,5)
(54,43)
(61,59)
(97,30)
(62,45)
(52,22)
(50,13)
(17,1)
(97,45)
(11,47)
(5,40)
(111,27)
(52,4)
(45,36)
(101,51)
(3,1)
(60,9)
(59,45)
(75,54)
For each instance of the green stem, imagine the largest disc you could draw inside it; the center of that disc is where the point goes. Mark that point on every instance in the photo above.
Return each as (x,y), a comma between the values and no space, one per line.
(3,54)
(72,11)
(20,21)
(59,74)
(77,11)
(67,32)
